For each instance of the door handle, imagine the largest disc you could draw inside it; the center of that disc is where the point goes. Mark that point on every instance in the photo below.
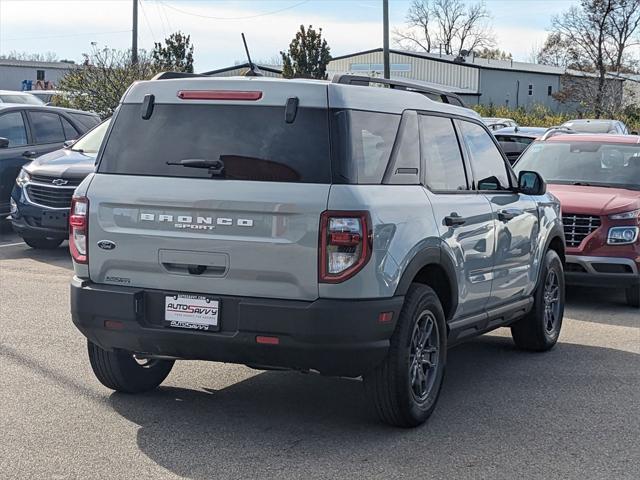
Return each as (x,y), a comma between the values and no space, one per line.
(506,215)
(454,220)
(29,154)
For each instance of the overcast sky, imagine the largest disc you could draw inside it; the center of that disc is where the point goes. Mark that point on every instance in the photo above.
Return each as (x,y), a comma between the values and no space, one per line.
(67,27)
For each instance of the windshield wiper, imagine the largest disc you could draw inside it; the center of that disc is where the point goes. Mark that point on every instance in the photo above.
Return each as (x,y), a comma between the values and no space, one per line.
(215,167)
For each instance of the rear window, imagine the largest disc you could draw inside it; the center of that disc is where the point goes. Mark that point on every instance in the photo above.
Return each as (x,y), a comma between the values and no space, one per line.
(253,142)
(87,121)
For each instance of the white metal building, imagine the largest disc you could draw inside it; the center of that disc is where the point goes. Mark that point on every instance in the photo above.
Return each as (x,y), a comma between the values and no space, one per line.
(40,75)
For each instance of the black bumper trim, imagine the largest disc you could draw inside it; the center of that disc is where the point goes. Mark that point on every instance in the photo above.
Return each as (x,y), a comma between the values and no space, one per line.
(602,280)
(332,336)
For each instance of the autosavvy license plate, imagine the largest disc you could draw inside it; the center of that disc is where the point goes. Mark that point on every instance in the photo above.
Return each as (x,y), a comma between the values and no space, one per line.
(197,312)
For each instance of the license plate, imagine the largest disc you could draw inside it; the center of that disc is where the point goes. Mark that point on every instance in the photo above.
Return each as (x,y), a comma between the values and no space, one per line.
(54,219)
(197,312)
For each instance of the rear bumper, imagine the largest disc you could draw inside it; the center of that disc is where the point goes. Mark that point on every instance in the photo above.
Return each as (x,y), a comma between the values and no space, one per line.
(334,337)
(604,272)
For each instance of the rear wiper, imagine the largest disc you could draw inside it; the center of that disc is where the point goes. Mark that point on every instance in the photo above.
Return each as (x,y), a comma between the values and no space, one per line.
(216,167)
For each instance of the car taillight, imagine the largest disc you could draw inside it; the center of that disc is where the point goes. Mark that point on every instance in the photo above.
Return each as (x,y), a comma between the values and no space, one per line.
(79,228)
(345,245)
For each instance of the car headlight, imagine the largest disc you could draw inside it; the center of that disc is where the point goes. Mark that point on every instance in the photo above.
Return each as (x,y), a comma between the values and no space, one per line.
(23,178)
(622,235)
(625,215)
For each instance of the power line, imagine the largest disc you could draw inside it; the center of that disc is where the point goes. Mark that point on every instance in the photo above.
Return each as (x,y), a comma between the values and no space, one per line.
(146,20)
(233,18)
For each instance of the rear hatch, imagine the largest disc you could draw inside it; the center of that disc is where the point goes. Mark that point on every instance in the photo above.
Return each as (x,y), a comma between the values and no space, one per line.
(240,216)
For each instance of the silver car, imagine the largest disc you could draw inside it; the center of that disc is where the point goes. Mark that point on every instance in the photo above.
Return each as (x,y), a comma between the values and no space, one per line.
(307,225)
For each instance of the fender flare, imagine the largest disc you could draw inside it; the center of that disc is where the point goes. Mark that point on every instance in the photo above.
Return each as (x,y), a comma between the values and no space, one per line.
(556,231)
(430,255)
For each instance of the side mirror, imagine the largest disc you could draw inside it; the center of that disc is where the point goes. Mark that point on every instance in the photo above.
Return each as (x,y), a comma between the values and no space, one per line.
(4,142)
(531,183)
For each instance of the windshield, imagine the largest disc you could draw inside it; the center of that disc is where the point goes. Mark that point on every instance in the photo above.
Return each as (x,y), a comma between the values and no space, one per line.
(584,163)
(24,99)
(90,143)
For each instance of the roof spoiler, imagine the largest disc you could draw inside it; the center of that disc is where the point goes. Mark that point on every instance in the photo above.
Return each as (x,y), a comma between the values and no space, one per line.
(172,75)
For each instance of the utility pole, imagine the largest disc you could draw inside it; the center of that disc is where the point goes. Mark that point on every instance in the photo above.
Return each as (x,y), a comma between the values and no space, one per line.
(385,38)
(134,34)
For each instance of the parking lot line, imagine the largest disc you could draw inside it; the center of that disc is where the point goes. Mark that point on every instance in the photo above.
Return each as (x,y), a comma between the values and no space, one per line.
(12,244)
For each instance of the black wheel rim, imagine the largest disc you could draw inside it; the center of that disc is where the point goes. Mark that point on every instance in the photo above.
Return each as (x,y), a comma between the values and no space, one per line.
(424,356)
(551,299)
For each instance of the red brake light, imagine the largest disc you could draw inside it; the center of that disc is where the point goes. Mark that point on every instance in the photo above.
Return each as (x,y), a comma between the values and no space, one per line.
(78,229)
(219,95)
(345,245)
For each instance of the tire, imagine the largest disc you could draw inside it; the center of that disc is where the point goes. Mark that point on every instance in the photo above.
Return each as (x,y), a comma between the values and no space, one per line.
(539,330)
(633,296)
(402,396)
(122,372)
(43,243)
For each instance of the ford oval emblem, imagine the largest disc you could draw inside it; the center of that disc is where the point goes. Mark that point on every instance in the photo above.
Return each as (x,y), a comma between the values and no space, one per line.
(106,244)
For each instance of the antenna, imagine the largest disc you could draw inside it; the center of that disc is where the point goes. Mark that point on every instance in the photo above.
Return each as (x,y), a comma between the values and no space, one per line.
(253,71)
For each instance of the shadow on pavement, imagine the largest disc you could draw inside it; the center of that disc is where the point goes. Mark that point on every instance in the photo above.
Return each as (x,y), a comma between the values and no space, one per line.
(601,305)
(498,405)
(58,257)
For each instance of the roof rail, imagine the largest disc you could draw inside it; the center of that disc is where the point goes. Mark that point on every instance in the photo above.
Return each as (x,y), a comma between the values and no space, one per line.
(407,85)
(553,131)
(171,75)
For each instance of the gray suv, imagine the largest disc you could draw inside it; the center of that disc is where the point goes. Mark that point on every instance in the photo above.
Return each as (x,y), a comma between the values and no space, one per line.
(316,226)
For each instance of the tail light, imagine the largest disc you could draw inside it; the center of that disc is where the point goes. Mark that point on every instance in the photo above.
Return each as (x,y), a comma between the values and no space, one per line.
(79,228)
(345,245)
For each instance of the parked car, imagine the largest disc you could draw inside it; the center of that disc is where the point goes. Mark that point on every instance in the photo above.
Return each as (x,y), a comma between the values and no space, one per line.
(591,125)
(9,96)
(514,140)
(498,123)
(28,131)
(597,179)
(47,95)
(225,222)
(42,195)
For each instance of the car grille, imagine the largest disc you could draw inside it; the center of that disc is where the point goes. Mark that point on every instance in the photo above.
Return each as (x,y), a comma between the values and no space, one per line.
(71,182)
(54,197)
(578,227)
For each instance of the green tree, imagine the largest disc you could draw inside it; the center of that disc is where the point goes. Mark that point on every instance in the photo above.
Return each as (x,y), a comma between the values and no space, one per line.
(493,54)
(308,55)
(105,74)
(176,54)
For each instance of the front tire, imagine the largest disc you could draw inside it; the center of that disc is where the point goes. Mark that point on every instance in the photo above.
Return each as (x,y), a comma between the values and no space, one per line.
(539,330)
(43,243)
(123,372)
(406,386)
(633,296)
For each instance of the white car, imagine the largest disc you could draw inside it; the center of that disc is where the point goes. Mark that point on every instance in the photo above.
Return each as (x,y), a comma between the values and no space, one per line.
(47,95)
(597,125)
(10,96)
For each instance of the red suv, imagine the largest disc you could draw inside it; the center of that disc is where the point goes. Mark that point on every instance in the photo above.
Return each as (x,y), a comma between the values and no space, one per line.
(597,179)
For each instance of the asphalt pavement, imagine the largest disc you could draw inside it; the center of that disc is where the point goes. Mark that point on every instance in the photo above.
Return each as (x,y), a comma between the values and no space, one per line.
(573,412)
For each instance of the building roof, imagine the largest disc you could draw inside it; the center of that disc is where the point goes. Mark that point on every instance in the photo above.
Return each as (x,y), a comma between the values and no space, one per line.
(481,63)
(31,64)
(266,68)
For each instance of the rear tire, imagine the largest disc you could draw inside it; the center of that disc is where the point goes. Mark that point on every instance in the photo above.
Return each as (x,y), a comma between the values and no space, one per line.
(633,296)
(43,243)
(406,386)
(539,330)
(122,372)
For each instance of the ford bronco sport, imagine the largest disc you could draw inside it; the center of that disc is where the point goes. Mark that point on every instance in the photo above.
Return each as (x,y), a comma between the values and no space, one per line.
(308,225)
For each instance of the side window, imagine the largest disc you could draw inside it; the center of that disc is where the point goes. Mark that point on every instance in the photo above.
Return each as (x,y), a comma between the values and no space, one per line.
(12,128)
(47,127)
(487,162)
(441,156)
(70,132)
